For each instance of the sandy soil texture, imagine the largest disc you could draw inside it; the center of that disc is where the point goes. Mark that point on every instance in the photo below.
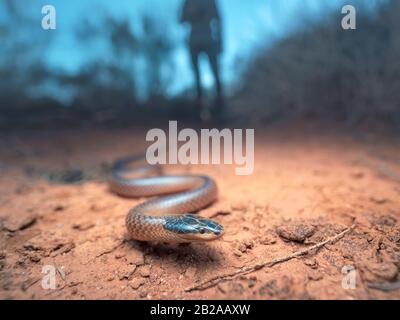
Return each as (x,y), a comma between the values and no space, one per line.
(308,185)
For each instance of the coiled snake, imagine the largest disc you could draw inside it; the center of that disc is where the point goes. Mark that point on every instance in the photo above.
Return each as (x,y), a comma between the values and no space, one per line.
(168,218)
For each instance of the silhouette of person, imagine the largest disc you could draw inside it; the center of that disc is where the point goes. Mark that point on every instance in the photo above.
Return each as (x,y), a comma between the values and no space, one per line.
(205,37)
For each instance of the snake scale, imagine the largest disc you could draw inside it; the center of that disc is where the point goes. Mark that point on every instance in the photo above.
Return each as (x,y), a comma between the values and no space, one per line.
(169,218)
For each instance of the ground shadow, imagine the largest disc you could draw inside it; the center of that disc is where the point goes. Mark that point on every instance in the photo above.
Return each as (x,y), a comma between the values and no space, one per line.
(201,256)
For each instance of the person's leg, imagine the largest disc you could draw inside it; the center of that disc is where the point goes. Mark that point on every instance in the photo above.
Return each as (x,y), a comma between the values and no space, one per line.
(214,62)
(194,54)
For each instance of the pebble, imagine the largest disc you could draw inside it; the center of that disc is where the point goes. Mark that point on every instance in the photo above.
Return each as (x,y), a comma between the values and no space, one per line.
(134,256)
(252,282)
(295,232)
(144,271)
(19,222)
(136,283)
(312,263)
(248,243)
(119,255)
(143,293)
(111,278)
(242,248)
(125,271)
(34,257)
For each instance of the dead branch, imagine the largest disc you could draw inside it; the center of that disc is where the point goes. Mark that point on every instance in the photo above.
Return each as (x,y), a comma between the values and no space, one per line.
(249,269)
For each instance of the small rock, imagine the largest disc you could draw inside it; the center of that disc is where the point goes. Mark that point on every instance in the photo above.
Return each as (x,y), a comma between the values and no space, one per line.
(19,222)
(242,248)
(143,293)
(252,282)
(312,263)
(295,232)
(248,243)
(34,257)
(119,255)
(144,271)
(134,256)
(237,253)
(136,283)
(125,271)
(59,208)
(110,278)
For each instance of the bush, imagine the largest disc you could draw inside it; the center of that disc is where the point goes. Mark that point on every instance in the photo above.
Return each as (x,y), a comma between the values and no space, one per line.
(326,71)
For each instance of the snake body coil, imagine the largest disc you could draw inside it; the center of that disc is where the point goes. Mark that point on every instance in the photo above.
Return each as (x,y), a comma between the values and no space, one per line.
(168,218)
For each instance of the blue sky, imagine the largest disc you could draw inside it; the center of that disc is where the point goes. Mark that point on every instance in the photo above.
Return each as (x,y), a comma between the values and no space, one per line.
(248,24)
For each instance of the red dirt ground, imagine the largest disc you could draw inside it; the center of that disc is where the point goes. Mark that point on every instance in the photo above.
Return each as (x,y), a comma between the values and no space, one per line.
(308,185)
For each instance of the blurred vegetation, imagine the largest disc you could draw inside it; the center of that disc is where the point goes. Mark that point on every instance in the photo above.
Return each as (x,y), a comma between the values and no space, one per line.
(21,66)
(325,71)
(139,66)
(141,62)
(320,71)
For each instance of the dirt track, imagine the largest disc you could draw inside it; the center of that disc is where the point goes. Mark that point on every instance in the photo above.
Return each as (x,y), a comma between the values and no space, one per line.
(307,186)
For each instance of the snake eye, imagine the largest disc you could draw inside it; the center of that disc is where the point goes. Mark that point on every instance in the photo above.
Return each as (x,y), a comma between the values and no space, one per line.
(202,231)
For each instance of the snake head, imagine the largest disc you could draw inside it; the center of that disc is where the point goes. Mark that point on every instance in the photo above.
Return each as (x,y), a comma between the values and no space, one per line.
(191,228)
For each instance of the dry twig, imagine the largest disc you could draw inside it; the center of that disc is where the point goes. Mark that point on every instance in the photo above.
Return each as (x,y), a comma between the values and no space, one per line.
(249,269)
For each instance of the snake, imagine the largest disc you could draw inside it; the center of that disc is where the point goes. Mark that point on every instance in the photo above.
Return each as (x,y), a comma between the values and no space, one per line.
(170,215)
